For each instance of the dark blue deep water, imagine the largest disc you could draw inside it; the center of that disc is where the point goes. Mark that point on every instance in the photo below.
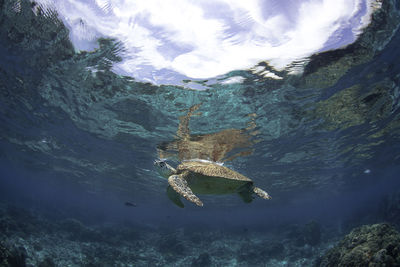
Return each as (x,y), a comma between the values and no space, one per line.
(77,145)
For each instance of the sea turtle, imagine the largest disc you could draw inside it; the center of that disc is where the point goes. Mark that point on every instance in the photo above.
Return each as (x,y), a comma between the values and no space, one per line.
(205,177)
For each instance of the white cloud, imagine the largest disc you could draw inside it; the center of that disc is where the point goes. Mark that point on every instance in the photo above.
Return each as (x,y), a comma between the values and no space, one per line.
(204,39)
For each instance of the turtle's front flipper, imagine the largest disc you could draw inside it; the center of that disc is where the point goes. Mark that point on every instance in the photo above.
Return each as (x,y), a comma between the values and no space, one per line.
(261,193)
(181,187)
(174,197)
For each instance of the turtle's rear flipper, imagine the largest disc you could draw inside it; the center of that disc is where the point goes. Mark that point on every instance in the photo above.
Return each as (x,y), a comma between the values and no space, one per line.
(261,193)
(174,197)
(246,196)
(181,187)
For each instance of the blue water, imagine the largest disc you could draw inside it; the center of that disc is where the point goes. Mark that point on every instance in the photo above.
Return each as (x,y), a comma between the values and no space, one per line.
(79,141)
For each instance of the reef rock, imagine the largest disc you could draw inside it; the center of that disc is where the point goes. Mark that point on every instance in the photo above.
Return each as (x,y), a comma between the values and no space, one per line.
(369,245)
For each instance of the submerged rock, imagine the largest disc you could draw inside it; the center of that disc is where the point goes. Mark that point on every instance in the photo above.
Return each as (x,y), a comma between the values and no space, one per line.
(369,245)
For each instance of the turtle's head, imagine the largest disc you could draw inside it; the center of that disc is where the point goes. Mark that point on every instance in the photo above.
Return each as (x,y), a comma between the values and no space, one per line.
(163,168)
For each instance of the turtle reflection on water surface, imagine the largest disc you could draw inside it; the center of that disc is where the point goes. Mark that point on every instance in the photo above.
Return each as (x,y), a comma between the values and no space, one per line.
(217,147)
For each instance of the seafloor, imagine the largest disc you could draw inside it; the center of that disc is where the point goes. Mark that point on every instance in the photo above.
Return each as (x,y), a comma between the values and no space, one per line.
(32,238)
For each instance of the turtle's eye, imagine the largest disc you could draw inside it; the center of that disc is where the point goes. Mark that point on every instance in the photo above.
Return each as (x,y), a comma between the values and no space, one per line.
(162,164)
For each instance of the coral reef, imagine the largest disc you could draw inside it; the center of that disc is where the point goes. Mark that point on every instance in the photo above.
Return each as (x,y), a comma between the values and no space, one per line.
(369,245)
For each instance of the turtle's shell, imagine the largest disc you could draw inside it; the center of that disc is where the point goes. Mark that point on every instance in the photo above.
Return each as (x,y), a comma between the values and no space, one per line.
(206,177)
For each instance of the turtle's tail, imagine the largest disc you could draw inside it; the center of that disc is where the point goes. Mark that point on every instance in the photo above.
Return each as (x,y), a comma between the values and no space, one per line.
(261,193)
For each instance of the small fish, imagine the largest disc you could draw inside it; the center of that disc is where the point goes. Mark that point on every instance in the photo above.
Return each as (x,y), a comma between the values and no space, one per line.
(130,204)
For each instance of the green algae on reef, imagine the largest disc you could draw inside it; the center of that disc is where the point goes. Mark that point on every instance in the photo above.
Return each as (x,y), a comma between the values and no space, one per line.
(375,245)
